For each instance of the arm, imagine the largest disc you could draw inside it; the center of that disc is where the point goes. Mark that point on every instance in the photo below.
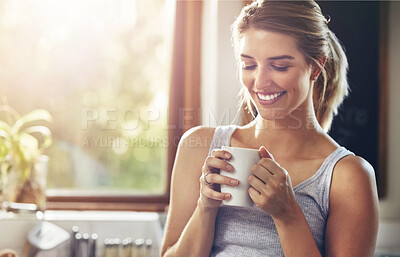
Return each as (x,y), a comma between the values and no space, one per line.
(183,213)
(196,238)
(353,213)
(193,206)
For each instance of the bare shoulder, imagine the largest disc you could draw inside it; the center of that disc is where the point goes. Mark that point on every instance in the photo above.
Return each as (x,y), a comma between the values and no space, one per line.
(352,173)
(195,143)
(193,149)
(200,131)
(197,137)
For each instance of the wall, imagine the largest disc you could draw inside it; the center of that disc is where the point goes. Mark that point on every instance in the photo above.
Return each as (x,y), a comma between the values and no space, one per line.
(389,234)
(390,206)
(220,87)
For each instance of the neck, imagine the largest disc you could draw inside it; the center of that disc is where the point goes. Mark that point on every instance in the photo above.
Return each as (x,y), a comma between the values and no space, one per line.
(289,136)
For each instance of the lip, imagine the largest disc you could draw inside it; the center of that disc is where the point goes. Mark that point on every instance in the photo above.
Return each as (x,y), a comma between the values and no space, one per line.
(269,102)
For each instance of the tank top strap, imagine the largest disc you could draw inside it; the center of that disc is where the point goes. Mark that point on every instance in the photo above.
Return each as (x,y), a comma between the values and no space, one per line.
(327,175)
(222,137)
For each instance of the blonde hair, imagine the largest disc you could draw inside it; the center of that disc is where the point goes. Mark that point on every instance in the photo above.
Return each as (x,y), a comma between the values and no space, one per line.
(304,21)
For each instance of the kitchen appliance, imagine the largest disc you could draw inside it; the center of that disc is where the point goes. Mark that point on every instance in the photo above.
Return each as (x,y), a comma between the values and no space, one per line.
(44,236)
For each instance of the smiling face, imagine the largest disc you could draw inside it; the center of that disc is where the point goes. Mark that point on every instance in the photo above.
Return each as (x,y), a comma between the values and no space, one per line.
(275,73)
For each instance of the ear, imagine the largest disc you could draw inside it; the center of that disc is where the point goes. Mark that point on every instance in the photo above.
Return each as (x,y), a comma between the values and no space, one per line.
(316,69)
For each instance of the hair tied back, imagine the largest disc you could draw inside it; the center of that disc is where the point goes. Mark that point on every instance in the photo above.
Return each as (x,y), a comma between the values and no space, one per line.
(327,19)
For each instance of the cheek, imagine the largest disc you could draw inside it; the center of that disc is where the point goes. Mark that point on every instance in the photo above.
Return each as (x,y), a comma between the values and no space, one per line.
(295,82)
(304,84)
(300,88)
(246,80)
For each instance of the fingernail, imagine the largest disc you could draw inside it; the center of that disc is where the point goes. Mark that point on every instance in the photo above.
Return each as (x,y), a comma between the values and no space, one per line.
(227,196)
(229,167)
(234,182)
(227,155)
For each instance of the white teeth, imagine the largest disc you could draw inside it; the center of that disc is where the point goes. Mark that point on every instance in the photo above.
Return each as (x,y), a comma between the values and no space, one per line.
(269,97)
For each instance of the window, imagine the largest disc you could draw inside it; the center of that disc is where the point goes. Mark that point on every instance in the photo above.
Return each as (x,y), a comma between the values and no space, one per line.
(102,69)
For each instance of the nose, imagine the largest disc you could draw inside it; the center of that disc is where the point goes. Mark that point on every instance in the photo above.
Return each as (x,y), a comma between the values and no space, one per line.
(263,78)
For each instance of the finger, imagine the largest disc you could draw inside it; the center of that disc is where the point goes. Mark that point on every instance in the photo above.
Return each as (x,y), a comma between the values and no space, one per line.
(262,173)
(264,153)
(279,174)
(216,163)
(220,179)
(212,194)
(221,154)
(254,194)
(256,183)
(272,166)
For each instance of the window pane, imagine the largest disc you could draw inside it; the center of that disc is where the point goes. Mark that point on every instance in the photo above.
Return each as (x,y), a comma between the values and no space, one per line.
(101,68)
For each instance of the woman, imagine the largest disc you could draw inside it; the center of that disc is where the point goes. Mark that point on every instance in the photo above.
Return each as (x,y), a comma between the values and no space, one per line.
(314,198)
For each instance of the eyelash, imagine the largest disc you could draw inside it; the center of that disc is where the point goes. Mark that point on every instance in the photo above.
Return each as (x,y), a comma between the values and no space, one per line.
(277,68)
(280,69)
(251,67)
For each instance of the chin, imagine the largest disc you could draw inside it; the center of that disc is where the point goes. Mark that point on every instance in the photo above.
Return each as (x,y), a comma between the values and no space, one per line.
(270,113)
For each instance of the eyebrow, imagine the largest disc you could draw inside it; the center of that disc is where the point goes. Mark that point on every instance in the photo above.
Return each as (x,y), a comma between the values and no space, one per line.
(279,57)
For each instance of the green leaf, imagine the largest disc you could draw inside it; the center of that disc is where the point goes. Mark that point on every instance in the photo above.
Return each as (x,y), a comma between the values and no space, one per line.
(44,132)
(18,153)
(4,128)
(36,115)
(4,135)
(29,145)
(4,149)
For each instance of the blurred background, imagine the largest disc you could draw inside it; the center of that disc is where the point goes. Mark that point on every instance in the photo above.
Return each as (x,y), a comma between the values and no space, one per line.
(101,68)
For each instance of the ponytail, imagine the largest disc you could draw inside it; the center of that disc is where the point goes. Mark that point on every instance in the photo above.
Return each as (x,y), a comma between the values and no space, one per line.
(332,87)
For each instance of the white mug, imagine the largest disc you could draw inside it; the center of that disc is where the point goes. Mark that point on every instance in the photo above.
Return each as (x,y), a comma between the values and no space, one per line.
(242,160)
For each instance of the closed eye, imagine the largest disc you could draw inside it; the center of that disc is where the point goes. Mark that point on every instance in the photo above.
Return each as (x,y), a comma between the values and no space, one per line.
(280,68)
(248,66)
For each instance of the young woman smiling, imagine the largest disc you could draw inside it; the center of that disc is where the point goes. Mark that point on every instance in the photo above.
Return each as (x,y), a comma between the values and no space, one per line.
(314,198)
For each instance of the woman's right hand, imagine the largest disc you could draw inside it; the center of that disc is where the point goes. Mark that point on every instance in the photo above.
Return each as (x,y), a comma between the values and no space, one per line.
(211,180)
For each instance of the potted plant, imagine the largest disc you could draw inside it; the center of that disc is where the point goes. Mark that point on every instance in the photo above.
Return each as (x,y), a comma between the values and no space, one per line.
(22,163)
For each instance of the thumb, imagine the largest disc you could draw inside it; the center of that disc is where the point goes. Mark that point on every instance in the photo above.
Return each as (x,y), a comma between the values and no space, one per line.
(265,154)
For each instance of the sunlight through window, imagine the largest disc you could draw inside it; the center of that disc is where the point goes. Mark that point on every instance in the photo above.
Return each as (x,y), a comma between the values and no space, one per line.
(101,68)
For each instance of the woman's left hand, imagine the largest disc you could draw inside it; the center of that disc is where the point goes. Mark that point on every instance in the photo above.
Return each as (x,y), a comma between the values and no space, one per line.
(271,187)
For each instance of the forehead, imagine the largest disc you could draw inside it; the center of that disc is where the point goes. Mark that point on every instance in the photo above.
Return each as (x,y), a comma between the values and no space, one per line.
(265,43)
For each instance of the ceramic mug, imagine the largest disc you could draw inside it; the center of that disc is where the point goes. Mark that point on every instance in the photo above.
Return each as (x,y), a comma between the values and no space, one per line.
(242,160)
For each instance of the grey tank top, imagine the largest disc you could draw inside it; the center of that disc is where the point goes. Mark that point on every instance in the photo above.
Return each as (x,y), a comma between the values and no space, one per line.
(250,231)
